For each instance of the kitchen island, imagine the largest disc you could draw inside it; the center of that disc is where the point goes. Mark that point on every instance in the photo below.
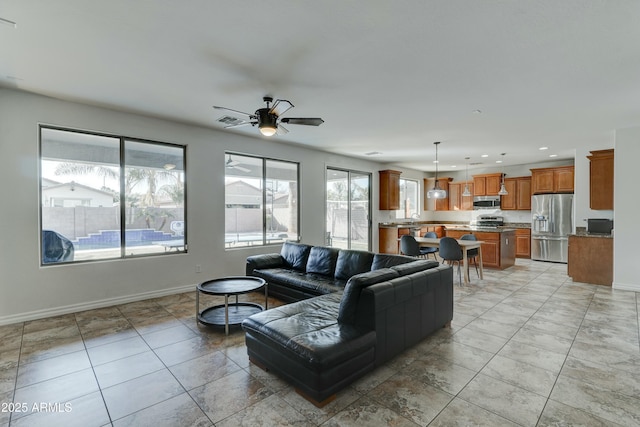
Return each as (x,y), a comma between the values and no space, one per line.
(499,247)
(590,258)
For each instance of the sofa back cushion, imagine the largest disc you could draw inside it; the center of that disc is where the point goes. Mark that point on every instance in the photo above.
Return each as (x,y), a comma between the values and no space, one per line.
(351,294)
(412,267)
(388,260)
(351,263)
(322,260)
(295,255)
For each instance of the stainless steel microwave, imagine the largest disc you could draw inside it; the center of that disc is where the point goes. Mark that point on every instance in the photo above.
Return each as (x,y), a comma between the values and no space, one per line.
(486,202)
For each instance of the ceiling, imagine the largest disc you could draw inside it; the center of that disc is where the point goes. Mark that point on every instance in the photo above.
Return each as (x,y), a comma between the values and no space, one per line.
(483,77)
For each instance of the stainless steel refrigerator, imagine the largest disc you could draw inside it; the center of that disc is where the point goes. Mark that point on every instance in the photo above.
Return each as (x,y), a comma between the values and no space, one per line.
(551,224)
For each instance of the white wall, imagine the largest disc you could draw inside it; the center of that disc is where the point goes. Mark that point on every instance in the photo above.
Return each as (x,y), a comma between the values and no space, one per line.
(29,291)
(626,268)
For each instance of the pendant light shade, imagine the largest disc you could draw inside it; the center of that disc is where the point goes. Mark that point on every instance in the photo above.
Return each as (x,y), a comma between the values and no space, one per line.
(503,191)
(466,192)
(436,192)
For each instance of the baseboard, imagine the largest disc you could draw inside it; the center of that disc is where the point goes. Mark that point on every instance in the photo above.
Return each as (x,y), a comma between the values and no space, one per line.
(626,287)
(74,308)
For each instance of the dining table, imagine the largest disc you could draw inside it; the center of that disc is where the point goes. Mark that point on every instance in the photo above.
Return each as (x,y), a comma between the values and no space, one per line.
(465,245)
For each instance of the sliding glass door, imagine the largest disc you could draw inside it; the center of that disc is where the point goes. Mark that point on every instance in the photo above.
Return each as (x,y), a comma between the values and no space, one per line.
(348,209)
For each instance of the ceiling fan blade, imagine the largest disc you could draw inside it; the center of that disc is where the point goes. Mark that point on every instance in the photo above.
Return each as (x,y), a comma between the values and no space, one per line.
(237,125)
(280,106)
(281,130)
(234,111)
(309,121)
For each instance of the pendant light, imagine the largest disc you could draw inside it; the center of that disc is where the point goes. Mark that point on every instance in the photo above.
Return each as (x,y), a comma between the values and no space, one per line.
(503,191)
(466,192)
(436,192)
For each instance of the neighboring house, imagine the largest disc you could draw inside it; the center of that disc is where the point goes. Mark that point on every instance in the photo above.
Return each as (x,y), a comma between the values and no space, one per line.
(240,194)
(71,194)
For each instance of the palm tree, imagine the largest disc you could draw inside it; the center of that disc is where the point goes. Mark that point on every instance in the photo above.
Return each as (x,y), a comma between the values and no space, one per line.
(87,169)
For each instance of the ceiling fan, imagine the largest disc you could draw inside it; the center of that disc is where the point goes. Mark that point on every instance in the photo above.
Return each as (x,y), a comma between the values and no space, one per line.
(268,118)
(233,164)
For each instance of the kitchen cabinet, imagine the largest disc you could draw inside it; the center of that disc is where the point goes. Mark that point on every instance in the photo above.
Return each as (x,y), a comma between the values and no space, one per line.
(436,204)
(552,180)
(438,229)
(590,259)
(388,242)
(389,190)
(458,202)
(523,243)
(601,180)
(388,236)
(498,249)
(519,197)
(487,184)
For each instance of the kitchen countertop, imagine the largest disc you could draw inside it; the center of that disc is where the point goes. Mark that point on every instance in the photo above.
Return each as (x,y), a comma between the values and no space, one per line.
(455,226)
(582,232)
(501,229)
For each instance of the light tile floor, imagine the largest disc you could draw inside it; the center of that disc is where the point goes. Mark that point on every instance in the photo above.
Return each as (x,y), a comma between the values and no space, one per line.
(527,347)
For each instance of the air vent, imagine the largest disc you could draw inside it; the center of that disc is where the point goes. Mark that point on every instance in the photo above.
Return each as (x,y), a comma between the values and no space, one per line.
(475,163)
(228,120)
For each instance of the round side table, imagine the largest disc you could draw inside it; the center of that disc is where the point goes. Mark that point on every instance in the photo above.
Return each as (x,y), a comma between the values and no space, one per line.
(229,313)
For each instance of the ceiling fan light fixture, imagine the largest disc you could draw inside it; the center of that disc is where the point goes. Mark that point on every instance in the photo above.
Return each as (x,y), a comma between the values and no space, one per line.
(436,192)
(268,130)
(267,122)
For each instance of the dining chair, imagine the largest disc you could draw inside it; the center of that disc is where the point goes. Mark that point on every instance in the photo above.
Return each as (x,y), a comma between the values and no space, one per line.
(409,246)
(472,254)
(451,252)
(430,250)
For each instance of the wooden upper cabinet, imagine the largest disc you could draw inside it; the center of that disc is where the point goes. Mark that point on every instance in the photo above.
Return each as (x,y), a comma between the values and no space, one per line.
(458,202)
(510,201)
(487,184)
(389,190)
(601,180)
(564,180)
(466,202)
(523,193)
(552,180)
(455,196)
(436,204)
(519,197)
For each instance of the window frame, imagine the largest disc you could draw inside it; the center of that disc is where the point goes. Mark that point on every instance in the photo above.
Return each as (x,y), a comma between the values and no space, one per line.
(400,212)
(264,200)
(122,141)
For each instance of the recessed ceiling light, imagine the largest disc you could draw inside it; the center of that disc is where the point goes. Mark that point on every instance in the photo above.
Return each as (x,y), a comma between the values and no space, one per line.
(543,148)
(485,155)
(453,166)
(553,155)
(498,161)
(435,161)
(7,22)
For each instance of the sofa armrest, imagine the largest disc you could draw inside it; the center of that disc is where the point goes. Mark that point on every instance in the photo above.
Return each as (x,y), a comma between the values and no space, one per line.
(256,262)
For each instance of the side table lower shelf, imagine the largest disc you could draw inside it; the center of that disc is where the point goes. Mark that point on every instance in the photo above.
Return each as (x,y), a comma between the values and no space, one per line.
(237,312)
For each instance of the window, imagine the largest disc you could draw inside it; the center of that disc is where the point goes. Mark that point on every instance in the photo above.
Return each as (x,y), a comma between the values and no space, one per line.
(105,197)
(261,201)
(408,198)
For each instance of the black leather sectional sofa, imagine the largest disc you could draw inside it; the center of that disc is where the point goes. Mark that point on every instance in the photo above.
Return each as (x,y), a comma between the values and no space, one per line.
(354,311)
